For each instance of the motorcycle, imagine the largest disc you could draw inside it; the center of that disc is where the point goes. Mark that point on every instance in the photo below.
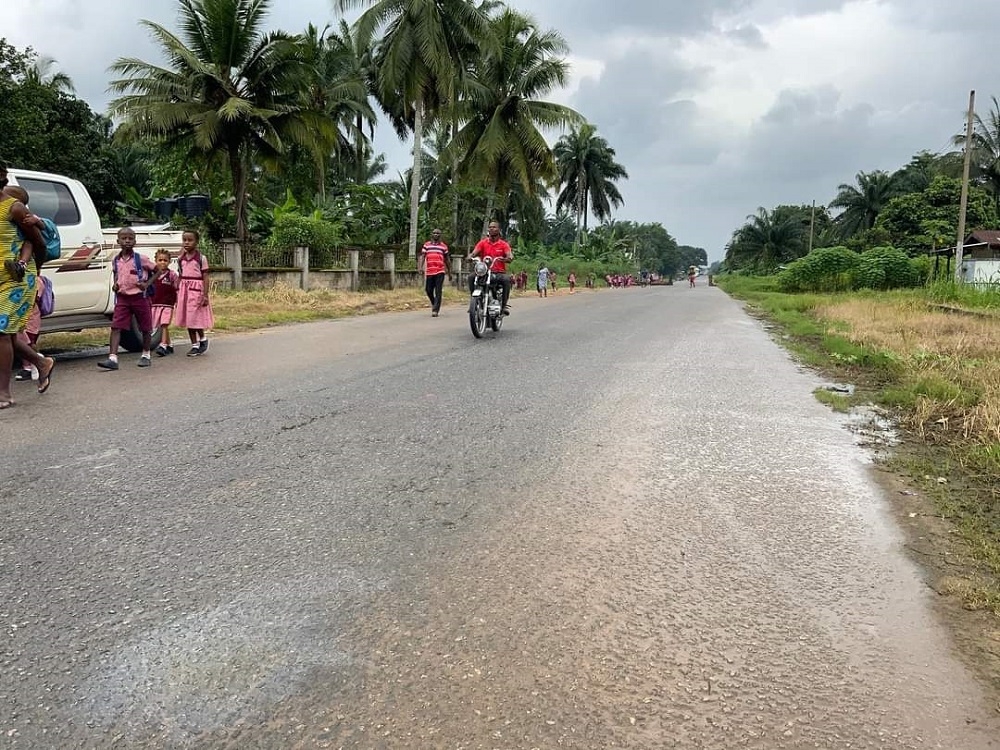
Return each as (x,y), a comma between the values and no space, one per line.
(486,304)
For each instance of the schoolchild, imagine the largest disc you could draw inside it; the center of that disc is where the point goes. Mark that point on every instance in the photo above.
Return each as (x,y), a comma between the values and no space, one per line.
(132,273)
(165,284)
(194,310)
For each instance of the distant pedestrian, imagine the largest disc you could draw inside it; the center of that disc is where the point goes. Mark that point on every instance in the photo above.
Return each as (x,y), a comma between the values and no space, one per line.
(543,281)
(434,260)
(692,275)
(571,279)
(165,283)
(132,273)
(193,311)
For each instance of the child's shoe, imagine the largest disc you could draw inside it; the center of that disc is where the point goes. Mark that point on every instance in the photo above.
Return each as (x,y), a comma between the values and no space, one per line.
(161,351)
(195,351)
(108,364)
(203,346)
(170,349)
(144,361)
(15,268)
(23,375)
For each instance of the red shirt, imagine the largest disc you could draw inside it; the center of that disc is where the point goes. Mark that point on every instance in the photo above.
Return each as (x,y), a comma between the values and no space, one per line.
(487,248)
(435,255)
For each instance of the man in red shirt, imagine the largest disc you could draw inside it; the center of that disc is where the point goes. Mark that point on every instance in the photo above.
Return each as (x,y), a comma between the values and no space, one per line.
(494,246)
(434,261)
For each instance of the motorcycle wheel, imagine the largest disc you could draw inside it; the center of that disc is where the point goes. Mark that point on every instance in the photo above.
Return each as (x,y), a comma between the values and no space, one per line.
(477,318)
(496,322)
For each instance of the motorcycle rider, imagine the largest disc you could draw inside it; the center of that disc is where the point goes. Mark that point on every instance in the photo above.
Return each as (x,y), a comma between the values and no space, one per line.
(494,246)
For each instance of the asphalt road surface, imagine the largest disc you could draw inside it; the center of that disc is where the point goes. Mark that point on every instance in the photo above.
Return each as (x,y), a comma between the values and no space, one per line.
(623,522)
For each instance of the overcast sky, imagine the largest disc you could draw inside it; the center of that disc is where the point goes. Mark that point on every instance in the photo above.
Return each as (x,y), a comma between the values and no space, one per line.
(715,107)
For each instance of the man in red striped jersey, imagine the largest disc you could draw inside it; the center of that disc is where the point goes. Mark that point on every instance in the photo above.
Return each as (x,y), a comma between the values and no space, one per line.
(434,261)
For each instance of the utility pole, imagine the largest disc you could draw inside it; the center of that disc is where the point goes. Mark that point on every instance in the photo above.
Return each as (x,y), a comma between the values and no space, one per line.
(812,226)
(965,187)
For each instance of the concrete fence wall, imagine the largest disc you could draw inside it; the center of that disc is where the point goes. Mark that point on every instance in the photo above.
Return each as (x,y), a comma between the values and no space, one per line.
(234,276)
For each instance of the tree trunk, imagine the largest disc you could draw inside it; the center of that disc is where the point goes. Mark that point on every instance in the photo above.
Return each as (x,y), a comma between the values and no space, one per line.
(239,175)
(418,126)
(490,202)
(359,150)
(454,183)
(321,177)
(580,199)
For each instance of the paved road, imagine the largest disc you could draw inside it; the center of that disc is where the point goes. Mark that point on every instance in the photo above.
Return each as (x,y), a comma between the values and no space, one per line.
(623,523)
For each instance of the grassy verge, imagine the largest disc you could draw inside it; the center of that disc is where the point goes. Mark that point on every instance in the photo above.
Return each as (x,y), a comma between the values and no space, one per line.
(282,305)
(931,357)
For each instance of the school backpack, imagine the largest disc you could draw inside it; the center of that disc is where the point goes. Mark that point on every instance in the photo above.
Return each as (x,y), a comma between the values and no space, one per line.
(46,296)
(196,257)
(138,272)
(53,243)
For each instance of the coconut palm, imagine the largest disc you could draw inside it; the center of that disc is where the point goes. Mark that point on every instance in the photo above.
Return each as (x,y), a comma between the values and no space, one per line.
(587,173)
(227,90)
(768,239)
(986,149)
(862,204)
(423,50)
(43,72)
(359,65)
(337,87)
(500,141)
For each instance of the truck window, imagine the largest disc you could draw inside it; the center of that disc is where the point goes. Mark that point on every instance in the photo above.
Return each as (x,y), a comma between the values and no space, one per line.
(51,200)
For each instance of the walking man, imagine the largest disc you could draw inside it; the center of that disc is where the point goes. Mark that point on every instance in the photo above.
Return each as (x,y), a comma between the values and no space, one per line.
(434,261)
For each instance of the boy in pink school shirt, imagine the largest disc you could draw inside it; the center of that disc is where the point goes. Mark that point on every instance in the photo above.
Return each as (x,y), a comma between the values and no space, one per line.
(130,298)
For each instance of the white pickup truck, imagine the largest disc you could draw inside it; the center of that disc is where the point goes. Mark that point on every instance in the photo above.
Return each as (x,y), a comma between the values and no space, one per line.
(82,277)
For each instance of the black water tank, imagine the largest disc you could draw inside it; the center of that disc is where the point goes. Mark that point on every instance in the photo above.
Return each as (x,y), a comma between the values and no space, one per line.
(193,206)
(164,208)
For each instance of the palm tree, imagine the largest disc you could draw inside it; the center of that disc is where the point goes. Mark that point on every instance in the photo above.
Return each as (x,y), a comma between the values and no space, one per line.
(337,87)
(587,173)
(863,203)
(359,65)
(43,72)
(228,90)
(500,142)
(766,240)
(986,149)
(423,50)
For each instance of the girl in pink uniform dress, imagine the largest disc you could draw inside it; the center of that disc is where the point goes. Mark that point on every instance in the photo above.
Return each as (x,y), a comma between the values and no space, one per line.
(193,310)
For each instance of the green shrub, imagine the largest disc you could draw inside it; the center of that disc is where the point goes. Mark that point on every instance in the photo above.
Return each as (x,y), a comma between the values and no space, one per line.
(296,230)
(828,269)
(886,268)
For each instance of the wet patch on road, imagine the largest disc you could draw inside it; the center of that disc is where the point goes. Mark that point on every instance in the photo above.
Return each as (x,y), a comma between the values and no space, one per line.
(221,667)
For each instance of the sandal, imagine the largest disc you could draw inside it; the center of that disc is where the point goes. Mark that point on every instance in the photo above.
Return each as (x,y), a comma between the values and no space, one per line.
(44,381)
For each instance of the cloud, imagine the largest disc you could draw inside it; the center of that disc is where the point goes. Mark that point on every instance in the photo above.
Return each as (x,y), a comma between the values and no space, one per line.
(714,107)
(747,34)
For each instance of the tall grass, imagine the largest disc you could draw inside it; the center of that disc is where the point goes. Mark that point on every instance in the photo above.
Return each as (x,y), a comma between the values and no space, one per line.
(975,297)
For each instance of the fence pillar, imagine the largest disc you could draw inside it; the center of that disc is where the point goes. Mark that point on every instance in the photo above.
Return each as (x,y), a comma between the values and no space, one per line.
(353,256)
(302,263)
(456,269)
(389,263)
(232,255)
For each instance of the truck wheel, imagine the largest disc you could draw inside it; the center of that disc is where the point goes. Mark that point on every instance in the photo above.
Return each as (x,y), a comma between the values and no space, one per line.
(131,341)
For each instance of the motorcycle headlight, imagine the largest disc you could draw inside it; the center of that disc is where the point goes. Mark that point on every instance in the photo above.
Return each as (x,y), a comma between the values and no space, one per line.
(481,268)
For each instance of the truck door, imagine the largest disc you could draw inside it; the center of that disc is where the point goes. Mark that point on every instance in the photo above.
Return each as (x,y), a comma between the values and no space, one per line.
(80,276)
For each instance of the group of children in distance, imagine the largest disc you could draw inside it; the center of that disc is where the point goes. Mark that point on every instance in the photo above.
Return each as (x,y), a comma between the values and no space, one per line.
(159,297)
